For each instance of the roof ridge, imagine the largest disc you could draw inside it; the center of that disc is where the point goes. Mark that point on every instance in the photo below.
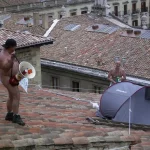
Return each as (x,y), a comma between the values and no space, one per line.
(26,34)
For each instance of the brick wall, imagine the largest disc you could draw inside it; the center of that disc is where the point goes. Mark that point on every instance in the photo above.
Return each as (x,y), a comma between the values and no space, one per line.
(32,55)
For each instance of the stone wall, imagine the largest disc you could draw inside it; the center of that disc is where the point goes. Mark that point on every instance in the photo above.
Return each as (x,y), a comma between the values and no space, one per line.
(31,55)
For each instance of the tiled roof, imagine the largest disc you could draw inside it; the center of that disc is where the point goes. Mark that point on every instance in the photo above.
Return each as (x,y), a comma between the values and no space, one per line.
(87,48)
(6,3)
(23,40)
(57,121)
(12,24)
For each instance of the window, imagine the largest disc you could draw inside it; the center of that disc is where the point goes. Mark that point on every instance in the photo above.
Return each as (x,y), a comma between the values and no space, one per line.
(50,17)
(75,86)
(143,7)
(73,14)
(60,16)
(54,83)
(134,8)
(97,89)
(125,9)
(135,23)
(116,10)
(84,12)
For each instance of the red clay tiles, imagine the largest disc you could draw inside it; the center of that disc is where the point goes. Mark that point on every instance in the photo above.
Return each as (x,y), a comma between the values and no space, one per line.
(86,48)
(23,40)
(54,124)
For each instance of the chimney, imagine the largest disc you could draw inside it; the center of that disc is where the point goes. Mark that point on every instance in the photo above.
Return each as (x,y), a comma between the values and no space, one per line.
(45,22)
(36,18)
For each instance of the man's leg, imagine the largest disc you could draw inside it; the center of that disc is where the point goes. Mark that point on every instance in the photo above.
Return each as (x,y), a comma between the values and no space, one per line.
(15,95)
(9,102)
(14,91)
(16,98)
(9,115)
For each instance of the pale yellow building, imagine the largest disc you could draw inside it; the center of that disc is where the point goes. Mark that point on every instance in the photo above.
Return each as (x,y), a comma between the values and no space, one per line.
(130,11)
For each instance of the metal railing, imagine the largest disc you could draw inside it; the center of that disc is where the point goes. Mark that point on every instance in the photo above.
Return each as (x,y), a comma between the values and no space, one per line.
(137,11)
(144,9)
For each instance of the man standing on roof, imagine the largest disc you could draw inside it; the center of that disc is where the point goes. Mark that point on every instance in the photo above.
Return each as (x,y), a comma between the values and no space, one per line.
(9,67)
(117,74)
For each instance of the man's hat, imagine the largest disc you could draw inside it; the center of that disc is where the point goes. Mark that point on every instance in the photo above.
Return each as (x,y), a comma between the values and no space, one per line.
(10,43)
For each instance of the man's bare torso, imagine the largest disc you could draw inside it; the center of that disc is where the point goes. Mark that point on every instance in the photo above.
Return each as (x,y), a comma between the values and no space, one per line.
(7,65)
(117,73)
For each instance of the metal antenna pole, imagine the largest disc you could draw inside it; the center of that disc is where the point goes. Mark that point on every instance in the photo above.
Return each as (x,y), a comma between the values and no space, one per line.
(130,116)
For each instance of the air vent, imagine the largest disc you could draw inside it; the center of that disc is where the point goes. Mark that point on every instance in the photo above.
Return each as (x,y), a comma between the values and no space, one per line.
(95,27)
(101,28)
(145,34)
(138,32)
(129,31)
(26,18)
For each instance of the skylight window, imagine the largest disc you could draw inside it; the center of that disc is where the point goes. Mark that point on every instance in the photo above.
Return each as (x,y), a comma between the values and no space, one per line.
(24,22)
(4,17)
(146,34)
(72,27)
(102,28)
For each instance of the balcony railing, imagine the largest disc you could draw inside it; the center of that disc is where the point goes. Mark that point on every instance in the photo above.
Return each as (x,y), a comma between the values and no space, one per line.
(137,11)
(144,9)
(125,13)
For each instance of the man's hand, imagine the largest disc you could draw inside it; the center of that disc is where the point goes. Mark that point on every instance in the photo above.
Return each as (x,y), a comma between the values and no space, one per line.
(123,76)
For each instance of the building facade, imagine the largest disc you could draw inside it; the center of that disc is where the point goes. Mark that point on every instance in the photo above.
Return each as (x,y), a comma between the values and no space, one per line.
(70,80)
(129,11)
(69,77)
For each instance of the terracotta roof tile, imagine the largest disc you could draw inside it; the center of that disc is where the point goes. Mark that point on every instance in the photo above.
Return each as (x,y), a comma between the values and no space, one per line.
(87,48)
(80,140)
(12,23)
(23,40)
(7,3)
(63,141)
(59,126)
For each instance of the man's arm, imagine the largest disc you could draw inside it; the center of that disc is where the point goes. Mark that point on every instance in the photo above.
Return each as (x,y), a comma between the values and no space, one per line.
(110,77)
(123,76)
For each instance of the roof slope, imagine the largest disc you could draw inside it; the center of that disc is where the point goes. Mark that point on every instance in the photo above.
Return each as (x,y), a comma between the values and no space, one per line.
(6,3)
(12,23)
(23,40)
(86,48)
(59,121)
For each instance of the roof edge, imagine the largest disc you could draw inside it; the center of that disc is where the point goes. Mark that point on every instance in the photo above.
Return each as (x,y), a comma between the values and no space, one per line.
(90,71)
